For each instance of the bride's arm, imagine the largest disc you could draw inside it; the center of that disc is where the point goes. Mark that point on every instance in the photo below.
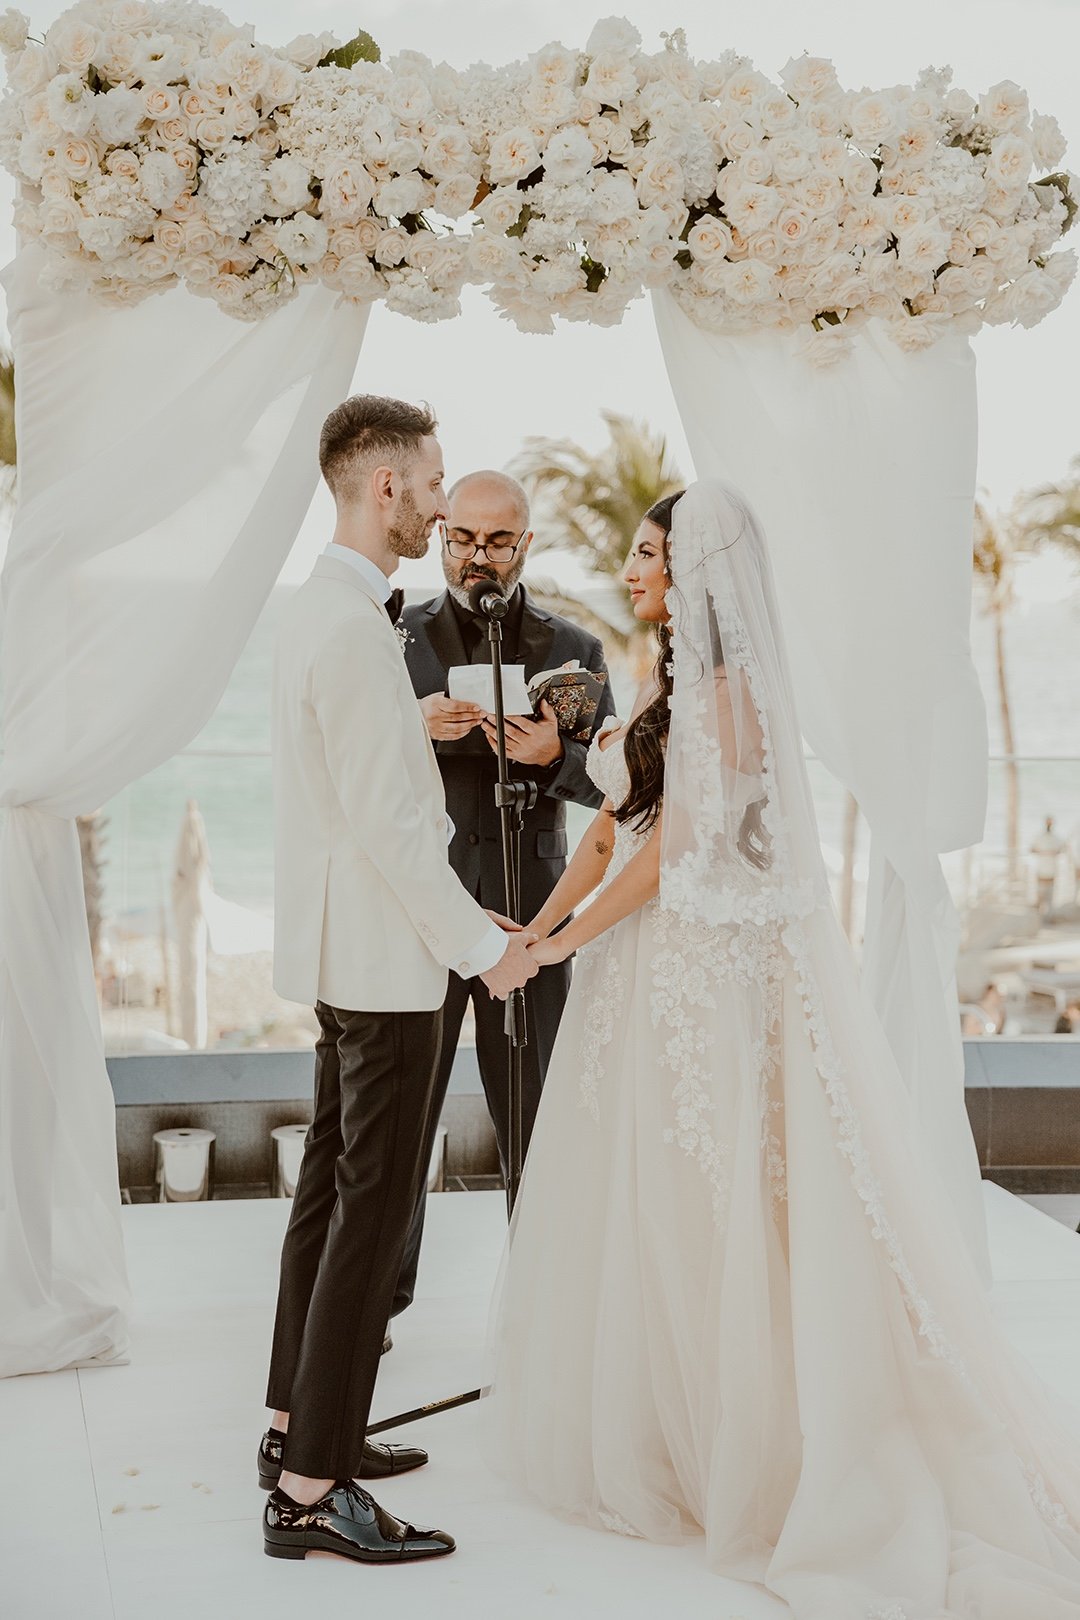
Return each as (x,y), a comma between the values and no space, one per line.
(584,872)
(632,888)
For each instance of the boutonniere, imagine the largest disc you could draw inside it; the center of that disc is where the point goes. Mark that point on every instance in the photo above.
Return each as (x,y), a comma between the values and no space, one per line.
(403,635)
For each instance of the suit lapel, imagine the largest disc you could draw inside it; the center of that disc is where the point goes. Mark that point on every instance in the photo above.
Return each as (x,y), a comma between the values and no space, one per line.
(535,637)
(444,632)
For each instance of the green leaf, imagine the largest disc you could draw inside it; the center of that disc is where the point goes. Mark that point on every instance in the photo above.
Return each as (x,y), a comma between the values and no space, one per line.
(362,48)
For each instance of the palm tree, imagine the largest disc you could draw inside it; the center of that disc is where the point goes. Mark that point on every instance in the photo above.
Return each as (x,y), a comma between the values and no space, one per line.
(994,545)
(1051,514)
(594,501)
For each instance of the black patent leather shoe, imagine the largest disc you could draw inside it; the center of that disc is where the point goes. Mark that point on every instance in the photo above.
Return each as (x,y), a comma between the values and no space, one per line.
(379,1461)
(349,1522)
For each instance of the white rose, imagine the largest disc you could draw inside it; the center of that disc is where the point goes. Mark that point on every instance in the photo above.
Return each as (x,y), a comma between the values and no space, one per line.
(409,98)
(750,282)
(745,88)
(615,200)
(303,239)
(555,65)
(454,196)
(1009,163)
(1004,107)
(981,230)
(14,28)
(73,43)
(29,72)
(923,248)
(906,213)
(160,102)
(660,181)
(1047,140)
(915,144)
(71,106)
(211,131)
(568,156)
(151,262)
(735,139)
(77,158)
(548,104)
(248,67)
(792,156)
(308,50)
(709,240)
(821,193)
(612,80)
(199,240)
(809,78)
(169,234)
(61,216)
(825,118)
(873,119)
(289,182)
(615,35)
(357,277)
(755,167)
(914,333)
(501,209)
(793,225)
(513,155)
(347,191)
(768,246)
(777,113)
(368,234)
(392,246)
(959,106)
(448,152)
(55,184)
(751,208)
(860,176)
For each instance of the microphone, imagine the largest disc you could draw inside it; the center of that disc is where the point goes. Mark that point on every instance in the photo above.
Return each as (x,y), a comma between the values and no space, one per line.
(487,599)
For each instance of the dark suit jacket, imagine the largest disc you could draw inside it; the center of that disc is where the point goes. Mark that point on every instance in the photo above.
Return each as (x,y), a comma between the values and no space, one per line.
(469,768)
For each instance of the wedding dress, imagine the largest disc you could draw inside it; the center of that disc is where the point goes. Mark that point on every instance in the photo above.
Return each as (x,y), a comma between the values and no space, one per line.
(735,1299)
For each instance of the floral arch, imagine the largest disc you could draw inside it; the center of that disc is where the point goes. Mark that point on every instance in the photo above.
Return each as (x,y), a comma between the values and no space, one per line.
(817,259)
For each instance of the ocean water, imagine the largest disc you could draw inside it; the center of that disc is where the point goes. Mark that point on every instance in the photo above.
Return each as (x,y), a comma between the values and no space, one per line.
(227,769)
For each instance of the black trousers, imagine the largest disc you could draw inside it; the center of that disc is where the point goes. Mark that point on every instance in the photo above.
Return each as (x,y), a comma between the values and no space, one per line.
(545,998)
(364,1164)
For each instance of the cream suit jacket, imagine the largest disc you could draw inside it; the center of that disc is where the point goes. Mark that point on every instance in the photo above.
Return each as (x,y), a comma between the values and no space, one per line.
(368,914)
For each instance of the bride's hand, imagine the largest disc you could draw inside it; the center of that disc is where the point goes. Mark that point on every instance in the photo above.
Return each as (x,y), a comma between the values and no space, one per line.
(546,952)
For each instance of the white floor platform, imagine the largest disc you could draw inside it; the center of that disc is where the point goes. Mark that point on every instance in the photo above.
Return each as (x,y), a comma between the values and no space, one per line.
(129,1492)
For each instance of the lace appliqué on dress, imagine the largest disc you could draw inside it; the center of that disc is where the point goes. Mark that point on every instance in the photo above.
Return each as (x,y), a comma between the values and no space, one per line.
(607,994)
(612,1521)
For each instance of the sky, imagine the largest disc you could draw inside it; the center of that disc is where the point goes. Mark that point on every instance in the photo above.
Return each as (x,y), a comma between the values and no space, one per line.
(493,387)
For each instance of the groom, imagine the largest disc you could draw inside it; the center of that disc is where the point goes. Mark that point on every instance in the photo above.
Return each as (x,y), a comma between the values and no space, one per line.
(369,917)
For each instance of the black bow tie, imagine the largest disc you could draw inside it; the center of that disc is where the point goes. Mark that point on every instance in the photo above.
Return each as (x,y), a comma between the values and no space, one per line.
(394,604)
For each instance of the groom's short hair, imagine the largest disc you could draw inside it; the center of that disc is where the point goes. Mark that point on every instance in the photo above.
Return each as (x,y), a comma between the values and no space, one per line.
(368,431)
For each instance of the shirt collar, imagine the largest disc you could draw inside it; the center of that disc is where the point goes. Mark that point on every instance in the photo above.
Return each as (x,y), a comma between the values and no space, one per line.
(364,566)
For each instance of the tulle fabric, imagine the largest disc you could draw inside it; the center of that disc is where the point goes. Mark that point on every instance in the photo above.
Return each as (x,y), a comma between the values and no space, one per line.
(736,1299)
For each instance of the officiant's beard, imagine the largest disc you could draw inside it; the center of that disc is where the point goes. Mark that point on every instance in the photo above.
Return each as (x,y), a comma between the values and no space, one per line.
(409,534)
(458,572)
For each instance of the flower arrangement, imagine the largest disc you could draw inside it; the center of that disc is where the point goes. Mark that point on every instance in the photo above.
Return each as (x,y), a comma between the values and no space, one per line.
(156,143)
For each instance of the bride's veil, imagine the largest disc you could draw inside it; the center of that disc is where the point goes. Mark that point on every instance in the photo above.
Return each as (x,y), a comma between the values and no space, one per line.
(739,838)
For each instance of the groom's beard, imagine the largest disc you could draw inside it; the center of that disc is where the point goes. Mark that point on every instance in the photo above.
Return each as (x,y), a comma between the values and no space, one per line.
(458,572)
(409,535)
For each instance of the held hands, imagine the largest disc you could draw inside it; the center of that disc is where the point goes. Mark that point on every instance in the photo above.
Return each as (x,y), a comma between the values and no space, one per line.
(528,742)
(447,719)
(546,952)
(515,966)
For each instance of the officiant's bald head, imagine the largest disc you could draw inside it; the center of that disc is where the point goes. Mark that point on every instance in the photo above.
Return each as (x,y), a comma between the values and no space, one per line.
(489,509)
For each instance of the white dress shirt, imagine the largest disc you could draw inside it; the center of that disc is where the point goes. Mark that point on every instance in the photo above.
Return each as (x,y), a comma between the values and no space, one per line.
(488,950)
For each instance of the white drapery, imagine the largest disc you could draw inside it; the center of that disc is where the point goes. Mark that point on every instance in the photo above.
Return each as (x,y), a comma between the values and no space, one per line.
(863,475)
(167,456)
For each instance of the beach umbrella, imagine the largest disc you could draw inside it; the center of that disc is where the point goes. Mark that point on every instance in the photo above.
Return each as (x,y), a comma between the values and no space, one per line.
(190,888)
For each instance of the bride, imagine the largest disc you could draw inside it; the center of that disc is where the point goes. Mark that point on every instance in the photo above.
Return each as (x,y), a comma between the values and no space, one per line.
(736,1300)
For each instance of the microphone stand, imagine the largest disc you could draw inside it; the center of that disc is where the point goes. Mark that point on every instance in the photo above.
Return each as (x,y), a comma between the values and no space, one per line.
(512,800)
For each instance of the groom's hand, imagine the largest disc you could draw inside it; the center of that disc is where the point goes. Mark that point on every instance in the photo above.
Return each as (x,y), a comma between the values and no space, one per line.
(447,719)
(514,967)
(508,925)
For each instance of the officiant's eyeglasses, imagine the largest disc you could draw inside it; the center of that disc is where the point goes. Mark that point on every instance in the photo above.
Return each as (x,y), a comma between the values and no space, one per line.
(496,551)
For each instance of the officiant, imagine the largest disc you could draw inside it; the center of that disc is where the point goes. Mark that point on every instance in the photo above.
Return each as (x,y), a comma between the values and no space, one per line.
(487,536)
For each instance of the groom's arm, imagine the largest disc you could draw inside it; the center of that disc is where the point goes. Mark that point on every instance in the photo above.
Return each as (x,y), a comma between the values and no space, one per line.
(352,682)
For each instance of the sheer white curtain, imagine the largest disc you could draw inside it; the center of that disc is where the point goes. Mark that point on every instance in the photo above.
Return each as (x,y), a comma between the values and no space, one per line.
(863,475)
(167,456)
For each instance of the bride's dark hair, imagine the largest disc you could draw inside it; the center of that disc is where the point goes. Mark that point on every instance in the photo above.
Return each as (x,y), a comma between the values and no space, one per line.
(646,737)
(643,746)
